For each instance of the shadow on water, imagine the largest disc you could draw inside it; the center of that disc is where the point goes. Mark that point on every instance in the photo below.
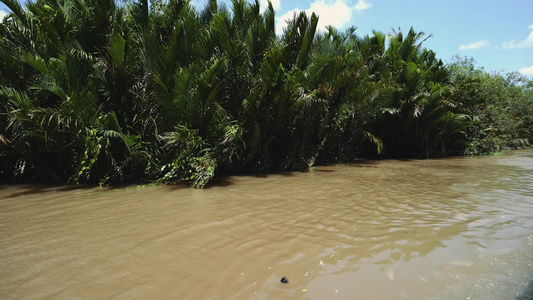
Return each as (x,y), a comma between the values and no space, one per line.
(26,190)
(220,182)
(223,181)
(527,294)
(29,189)
(365,163)
(322,170)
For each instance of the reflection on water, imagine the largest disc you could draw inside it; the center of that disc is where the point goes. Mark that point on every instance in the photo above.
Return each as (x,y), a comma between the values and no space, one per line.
(420,229)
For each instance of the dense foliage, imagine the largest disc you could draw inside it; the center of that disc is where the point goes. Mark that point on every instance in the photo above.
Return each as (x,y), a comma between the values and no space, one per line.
(111,91)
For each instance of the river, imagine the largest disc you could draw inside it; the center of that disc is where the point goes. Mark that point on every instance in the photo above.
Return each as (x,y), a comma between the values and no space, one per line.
(454,228)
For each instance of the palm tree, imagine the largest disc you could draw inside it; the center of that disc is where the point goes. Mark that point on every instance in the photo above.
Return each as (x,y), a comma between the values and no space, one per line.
(106,91)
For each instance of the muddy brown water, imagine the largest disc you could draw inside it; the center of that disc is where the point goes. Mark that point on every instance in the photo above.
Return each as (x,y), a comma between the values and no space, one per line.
(457,228)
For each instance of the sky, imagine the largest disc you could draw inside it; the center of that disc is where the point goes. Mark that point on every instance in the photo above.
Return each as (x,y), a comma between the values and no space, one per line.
(498,34)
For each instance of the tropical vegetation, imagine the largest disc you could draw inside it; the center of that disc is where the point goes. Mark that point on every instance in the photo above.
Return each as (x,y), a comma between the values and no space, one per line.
(106,91)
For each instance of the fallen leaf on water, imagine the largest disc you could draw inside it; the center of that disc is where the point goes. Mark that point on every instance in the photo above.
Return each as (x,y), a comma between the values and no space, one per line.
(390,273)
(304,290)
(355,240)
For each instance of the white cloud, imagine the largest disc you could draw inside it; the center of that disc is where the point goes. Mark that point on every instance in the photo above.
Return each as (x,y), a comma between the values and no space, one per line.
(264,4)
(527,43)
(2,15)
(336,13)
(475,45)
(526,71)
(362,5)
(522,44)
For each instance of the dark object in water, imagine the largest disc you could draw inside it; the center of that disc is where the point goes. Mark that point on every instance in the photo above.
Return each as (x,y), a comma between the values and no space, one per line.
(284,280)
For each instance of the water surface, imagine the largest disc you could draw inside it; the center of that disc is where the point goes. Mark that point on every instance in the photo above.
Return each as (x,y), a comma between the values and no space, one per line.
(452,228)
